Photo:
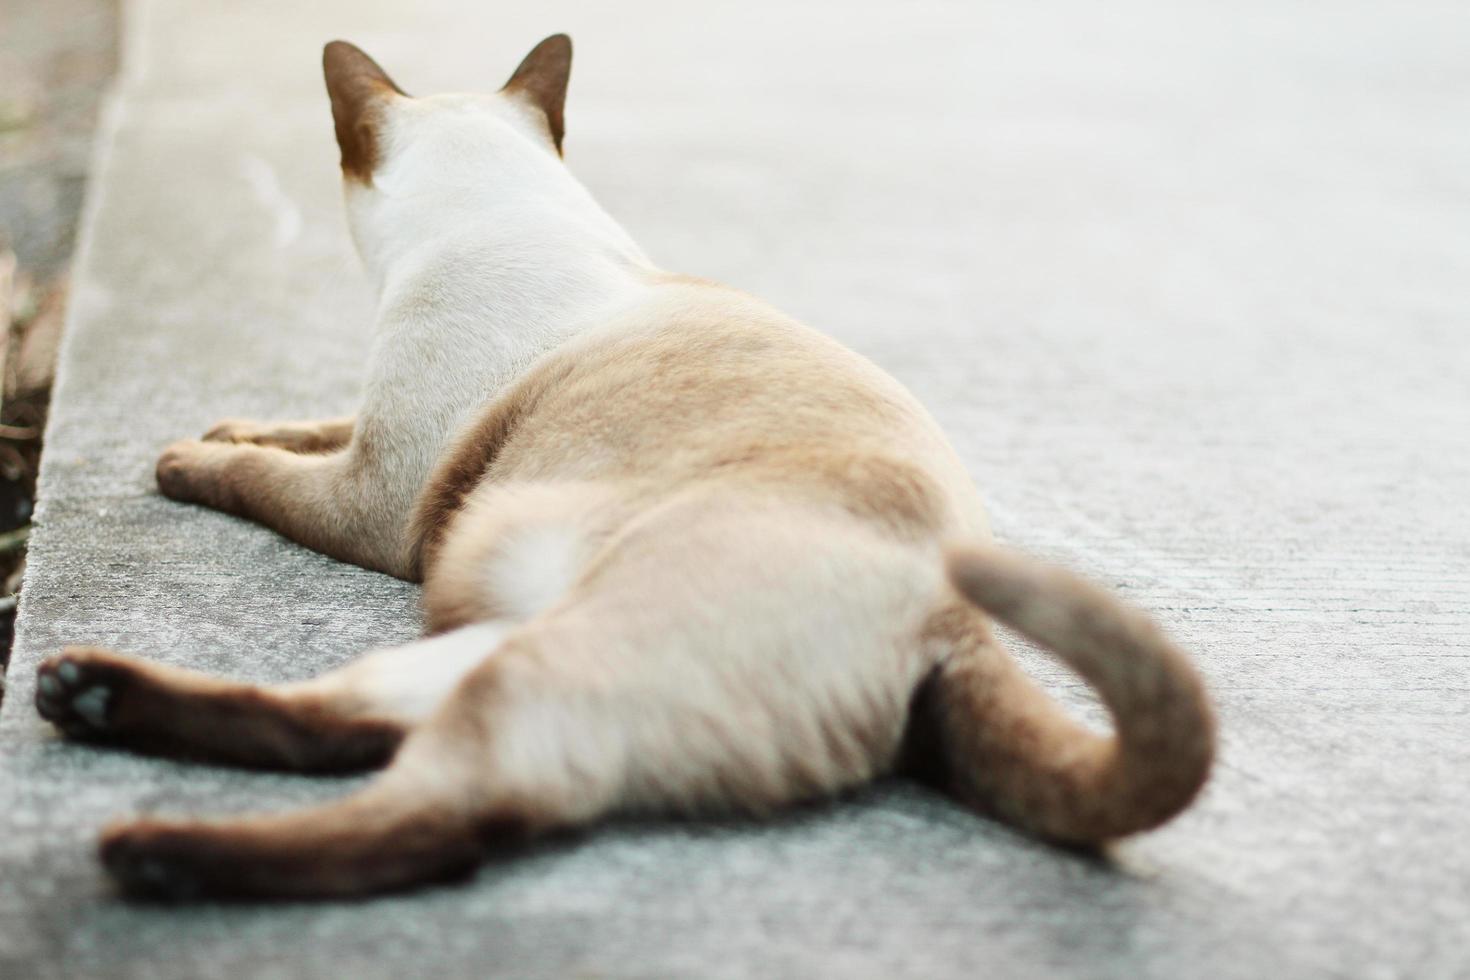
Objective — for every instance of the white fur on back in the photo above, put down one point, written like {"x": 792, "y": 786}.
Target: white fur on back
{"x": 487, "y": 253}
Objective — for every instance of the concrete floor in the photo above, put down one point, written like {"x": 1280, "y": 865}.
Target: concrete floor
{"x": 1187, "y": 283}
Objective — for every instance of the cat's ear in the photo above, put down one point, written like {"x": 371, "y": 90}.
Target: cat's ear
{"x": 358, "y": 89}
{"x": 541, "y": 80}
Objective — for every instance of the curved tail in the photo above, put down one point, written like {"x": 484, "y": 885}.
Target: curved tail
{"x": 1013, "y": 752}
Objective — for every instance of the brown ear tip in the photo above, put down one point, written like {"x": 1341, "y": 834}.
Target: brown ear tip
{"x": 339, "y": 53}
{"x": 560, "y": 43}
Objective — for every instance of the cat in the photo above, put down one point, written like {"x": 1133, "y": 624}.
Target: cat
{"x": 680, "y": 554}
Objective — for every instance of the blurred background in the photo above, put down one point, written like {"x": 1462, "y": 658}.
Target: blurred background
{"x": 55, "y": 60}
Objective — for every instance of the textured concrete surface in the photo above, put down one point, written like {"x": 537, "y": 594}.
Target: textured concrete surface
{"x": 55, "y": 58}
{"x": 1188, "y": 284}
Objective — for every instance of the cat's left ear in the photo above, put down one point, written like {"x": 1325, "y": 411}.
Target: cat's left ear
{"x": 541, "y": 81}
{"x": 359, "y": 90}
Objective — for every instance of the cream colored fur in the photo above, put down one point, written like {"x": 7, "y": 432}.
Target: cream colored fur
{"x": 681, "y": 552}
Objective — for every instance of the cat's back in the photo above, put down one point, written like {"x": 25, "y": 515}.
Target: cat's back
{"x": 698, "y": 378}
{"x": 696, "y": 383}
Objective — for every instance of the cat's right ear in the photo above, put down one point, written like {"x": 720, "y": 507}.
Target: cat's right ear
{"x": 541, "y": 81}
{"x": 359, "y": 89}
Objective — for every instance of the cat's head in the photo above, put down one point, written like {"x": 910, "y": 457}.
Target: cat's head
{"x": 409, "y": 164}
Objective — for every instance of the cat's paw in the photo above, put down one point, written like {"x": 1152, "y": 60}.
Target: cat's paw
{"x": 77, "y": 690}
{"x": 154, "y": 860}
{"x": 188, "y": 470}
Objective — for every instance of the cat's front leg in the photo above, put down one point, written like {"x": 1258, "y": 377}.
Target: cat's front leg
{"x": 312, "y": 436}
{"x": 336, "y": 503}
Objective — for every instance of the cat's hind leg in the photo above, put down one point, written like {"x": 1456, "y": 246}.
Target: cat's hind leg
{"x": 716, "y": 697}
{"x": 430, "y": 816}
{"x": 352, "y": 718}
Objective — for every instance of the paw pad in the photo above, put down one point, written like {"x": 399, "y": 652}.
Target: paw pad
{"x": 71, "y": 697}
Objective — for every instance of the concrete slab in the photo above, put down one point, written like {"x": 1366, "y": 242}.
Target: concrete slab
{"x": 1188, "y": 285}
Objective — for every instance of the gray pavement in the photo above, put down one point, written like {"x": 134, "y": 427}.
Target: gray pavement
{"x": 1187, "y": 283}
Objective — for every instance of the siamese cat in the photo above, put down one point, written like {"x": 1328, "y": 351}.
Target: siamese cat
{"x": 680, "y": 554}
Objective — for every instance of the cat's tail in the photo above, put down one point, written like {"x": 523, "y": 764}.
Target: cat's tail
{"x": 1010, "y": 748}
